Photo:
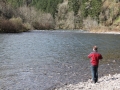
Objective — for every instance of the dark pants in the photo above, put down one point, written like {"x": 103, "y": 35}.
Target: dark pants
{"x": 94, "y": 70}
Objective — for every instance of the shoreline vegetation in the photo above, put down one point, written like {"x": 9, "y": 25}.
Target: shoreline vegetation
{"x": 69, "y": 15}
{"x": 25, "y": 15}
{"x": 110, "y": 82}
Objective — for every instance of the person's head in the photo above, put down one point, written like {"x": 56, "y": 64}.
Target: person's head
{"x": 95, "y": 48}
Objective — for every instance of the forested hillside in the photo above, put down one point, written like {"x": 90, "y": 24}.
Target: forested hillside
{"x": 97, "y": 15}
{"x": 59, "y": 14}
{"x": 48, "y": 6}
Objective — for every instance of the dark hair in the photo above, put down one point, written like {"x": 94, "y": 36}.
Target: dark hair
{"x": 95, "y": 48}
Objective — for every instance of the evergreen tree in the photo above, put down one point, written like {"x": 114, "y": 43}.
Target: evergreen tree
{"x": 95, "y": 8}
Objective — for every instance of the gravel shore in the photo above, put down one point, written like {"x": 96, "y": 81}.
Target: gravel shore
{"x": 110, "y": 32}
{"x": 111, "y": 82}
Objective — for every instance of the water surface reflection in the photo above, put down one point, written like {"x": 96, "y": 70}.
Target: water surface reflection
{"x": 41, "y": 60}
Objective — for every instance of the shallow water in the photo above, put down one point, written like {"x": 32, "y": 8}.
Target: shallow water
{"x": 43, "y": 60}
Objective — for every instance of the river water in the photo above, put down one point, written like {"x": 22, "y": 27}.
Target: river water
{"x": 43, "y": 60}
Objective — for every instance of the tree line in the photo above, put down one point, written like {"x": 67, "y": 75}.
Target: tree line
{"x": 87, "y": 7}
{"x": 49, "y": 6}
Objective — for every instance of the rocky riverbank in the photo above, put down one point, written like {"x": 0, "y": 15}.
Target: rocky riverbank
{"x": 107, "y": 32}
{"x": 111, "y": 82}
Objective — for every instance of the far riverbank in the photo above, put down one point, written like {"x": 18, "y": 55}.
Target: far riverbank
{"x": 107, "y": 32}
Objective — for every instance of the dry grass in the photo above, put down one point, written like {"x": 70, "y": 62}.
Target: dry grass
{"x": 29, "y": 14}
{"x": 103, "y": 29}
{"x": 37, "y": 19}
{"x": 110, "y": 11}
{"x": 90, "y": 23}
{"x": 65, "y": 18}
{"x": 24, "y": 19}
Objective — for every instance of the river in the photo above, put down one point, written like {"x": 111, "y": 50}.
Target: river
{"x": 43, "y": 60}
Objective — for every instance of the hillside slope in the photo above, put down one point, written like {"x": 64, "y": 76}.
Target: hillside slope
{"x": 108, "y": 17}
{"x": 93, "y": 15}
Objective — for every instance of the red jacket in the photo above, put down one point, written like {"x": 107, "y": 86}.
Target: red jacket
{"x": 95, "y": 57}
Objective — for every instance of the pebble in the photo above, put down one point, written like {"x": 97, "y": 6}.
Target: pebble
{"x": 110, "y": 82}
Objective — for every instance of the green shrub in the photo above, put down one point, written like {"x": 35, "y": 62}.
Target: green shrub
{"x": 13, "y": 25}
{"x": 27, "y": 26}
{"x": 16, "y": 3}
{"x": 49, "y": 6}
{"x": 87, "y": 7}
{"x": 95, "y": 8}
{"x": 75, "y": 5}
{"x": 7, "y": 27}
{"x": 17, "y": 22}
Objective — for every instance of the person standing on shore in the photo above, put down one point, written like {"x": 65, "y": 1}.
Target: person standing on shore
{"x": 95, "y": 57}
